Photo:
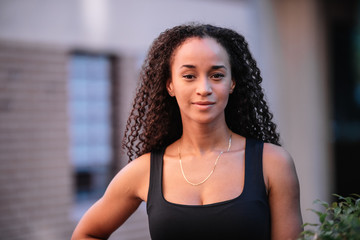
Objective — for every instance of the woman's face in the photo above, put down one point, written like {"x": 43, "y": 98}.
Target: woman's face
{"x": 201, "y": 80}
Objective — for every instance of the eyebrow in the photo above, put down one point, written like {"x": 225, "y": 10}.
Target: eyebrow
{"x": 215, "y": 67}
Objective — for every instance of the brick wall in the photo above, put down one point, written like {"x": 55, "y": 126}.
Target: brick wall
{"x": 35, "y": 171}
{"x": 36, "y": 176}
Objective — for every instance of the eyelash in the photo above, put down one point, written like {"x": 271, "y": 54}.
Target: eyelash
{"x": 216, "y": 76}
{"x": 188, "y": 76}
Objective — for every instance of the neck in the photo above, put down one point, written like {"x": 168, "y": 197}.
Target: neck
{"x": 202, "y": 138}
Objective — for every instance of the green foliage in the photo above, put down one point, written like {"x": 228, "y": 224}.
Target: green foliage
{"x": 339, "y": 221}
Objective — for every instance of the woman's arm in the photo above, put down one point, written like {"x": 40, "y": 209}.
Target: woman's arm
{"x": 122, "y": 197}
{"x": 284, "y": 193}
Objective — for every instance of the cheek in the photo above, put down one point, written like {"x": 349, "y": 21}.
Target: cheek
{"x": 224, "y": 91}
{"x": 182, "y": 97}
{"x": 182, "y": 91}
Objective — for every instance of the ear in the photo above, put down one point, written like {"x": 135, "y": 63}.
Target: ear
{"x": 170, "y": 87}
{"x": 232, "y": 86}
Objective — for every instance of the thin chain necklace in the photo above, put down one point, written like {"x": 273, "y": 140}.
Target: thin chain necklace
{"x": 216, "y": 161}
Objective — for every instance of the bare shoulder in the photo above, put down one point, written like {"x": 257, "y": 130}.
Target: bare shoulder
{"x": 275, "y": 153}
{"x": 276, "y": 157}
{"x": 138, "y": 165}
{"x": 283, "y": 191}
{"x": 134, "y": 177}
{"x": 278, "y": 165}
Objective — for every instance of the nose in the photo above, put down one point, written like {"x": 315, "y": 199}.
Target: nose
{"x": 204, "y": 87}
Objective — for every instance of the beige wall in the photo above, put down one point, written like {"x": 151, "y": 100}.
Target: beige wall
{"x": 299, "y": 92}
{"x": 117, "y": 25}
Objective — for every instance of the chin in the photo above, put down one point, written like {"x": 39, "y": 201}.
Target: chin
{"x": 206, "y": 120}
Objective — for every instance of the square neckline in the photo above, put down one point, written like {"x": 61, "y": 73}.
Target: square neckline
{"x": 209, "y": 204}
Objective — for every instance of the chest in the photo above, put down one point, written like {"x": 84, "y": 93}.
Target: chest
{"x": 234, "y": 219}
{"x": 239, "y": 213}
{"x": 226, "y": 182}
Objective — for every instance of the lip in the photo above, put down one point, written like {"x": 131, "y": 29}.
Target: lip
{"x": 203, "y": 105}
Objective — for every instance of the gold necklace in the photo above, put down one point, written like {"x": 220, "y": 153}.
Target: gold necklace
{"x": 216, "y": 161}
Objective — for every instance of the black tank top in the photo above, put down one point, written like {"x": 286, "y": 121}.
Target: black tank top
{"x": 244, "y": 217}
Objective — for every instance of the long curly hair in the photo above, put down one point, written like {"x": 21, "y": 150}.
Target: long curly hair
{"x": 155, "y": 120}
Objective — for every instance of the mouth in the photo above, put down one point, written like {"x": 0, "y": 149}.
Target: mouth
{"x": 204, "y": 105}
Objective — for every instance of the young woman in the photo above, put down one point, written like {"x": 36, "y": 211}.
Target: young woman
{"x": 208, "y": 160}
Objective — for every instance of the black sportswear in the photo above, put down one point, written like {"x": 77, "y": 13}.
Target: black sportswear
{"x": 245, "y": 217}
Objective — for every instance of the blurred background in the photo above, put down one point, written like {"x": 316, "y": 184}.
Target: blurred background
{"x": 68, "y": 72}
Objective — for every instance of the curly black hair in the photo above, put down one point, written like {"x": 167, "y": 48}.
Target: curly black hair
{"x": 155, "y": 120}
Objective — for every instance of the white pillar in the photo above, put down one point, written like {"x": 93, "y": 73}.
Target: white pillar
{"x": 295, "y": 79}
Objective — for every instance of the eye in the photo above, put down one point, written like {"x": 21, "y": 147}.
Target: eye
{"x": 188, "y": 77}
{"x": 217, "y": 76}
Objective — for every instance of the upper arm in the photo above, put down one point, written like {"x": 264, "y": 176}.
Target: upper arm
{"x": 284, "y": 193}
{"x": 121, "y": 199}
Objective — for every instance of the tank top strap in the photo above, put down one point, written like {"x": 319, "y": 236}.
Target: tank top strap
{"x": 254, "y": 177}
{"x": 155, "y": 184}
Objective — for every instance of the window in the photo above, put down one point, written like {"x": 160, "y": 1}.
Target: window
{"x": 90, "y": 124}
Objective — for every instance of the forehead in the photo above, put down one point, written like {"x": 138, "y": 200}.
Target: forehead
{"x": 200, "y": 49}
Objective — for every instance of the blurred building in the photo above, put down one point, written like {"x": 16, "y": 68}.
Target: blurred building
{"x": 68, "y": 72}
